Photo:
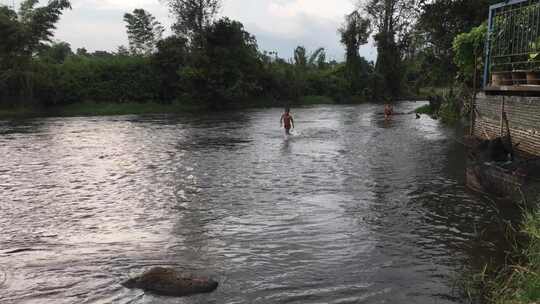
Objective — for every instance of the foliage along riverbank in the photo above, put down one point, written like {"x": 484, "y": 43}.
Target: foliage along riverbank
{"x": 217, "y": 62}
{"x": 448, "y": 104}
{"x": 137, "y": 108}
{"x": 518, "y": 281}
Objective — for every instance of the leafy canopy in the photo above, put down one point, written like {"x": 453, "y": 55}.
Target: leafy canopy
{"x": 468, "y": 48}
{"x": 143, "y": 30}
{"x": 192, "y": 16}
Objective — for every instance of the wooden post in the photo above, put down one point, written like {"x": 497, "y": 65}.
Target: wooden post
{"x": 509, "y": 136}
{"x": 502, "y": 117}
{"x": 473, "y": 99}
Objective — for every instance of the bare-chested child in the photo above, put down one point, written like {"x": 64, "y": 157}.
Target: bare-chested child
{"x": 388, "y": 111}
{"x": 287, "y": 121}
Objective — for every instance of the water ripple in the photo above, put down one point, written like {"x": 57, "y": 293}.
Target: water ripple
{"x": 348, "y": 209}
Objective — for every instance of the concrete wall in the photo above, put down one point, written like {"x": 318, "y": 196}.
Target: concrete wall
{"x": 523, "y": 115}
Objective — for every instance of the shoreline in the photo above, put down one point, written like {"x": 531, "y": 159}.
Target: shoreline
{"x": 92, "y": 108}
{"x": 133, "y": 108}
{"x": 518, "y": 280}
{"x": 130, "y": 108}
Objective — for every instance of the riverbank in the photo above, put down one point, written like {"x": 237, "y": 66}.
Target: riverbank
{"x": 133, "y": 108}
{"x": 518, "y": 281}
{"x": 449, "y": 104}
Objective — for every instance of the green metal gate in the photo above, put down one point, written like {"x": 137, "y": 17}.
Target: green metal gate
{"x": 513, "y": 42}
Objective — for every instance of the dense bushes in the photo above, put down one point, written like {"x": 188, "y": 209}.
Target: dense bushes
{"x": 226, "y": 69}
{"x": 80, "y": 78}
{"x": 517, "y": 281}
{"x": 216, "y": 66}
{"x": 469, "y": 50}
{"x": 450, "y": 105}
{"x": 229, "y": 70}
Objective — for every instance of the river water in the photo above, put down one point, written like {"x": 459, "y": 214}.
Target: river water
{"x": 349, "y": 209}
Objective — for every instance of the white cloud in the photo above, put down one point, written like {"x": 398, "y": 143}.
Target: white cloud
{"x": 114, "y": 4}
{"x": 316, "y": 8}
{"x": 278, "y": 24}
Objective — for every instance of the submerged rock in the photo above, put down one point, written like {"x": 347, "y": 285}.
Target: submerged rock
{"x": 169, "y": 282}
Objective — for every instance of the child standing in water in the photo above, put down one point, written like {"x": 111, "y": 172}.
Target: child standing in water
{"x": 388, "y": 111}
{"x": 287, "y": 121}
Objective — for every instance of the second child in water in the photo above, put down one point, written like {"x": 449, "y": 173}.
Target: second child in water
{"x": 287, "y": 121}
{"x": 388, "y": 111}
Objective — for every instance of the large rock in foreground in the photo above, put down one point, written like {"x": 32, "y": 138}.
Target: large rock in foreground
{"x": 169, "y": 282}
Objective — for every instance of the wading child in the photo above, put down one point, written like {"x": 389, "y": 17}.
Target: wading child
{"x": 287, "y": 121}
{"x": 388, "y": 111}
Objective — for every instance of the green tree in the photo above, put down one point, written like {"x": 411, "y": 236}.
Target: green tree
{"x": 57, "y": 52}
{"x": 23, "y": 34}
{"x": 440, "y": 21}
{"x": 102, "y": 54}
{"x": 300, "y": 57}
{"x": 82, "y": 52}
{"x": 172, "y": 55}
{"x": 10, "y": 32}
{"x": 317, "y": 58}
{"x": 143, "y": 30}
{"x": 298, "y": 75}
{"x": 192, "y": 16}
{"x": 469, "y": 51}
{"x": 393, "y": 20}
{"x": 38, "y": 23}
{"x": 122, "y": 51}
{"x": 110, "y": 78}
{"x": 354, "y": 33}
{"x": 227, "y": 69}
{"x": 10, "y": 50}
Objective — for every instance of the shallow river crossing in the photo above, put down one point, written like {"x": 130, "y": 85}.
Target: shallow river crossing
{"x": 349, "y": 209}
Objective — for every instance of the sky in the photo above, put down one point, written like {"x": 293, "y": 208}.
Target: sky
{"x": 278, "y": 25}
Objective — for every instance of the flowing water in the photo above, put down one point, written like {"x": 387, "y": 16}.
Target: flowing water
{"x": 349, "y": 209}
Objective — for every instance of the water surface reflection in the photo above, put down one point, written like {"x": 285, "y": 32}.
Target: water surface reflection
{"x": 349, "y": 209}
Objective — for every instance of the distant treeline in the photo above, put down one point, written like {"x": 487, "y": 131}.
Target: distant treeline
{"x": 227, "y": 71}
{"x": 217, "y": 63}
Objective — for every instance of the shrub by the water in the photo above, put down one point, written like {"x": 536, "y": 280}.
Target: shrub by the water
{"x": 116, "y": 79}
{"x": 450, "y": 110}
{"x": 426, "y": 109}
{"x": 518, "y": 280}
{"x": 449, "y": 105}
{"x": 523, "y": 284}
{"x": 468, "y": 48}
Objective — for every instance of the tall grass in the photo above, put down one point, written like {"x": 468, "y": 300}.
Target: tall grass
{"x": 448, "y": 104}
{"x": 524, "y": 282}
{"x": 518, "y": 281}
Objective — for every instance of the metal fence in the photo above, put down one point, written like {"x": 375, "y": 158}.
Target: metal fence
{"x": 513, "y": 42}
